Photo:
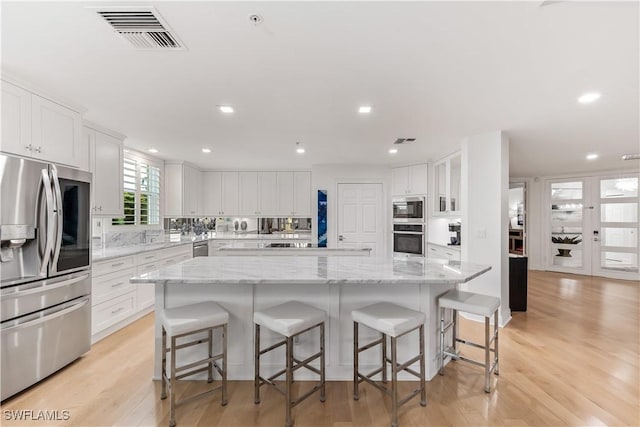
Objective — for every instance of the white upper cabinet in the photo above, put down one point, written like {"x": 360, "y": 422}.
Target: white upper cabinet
{"x": 220, "y": 193}
{"x": 16, "y": 120}
{"x": 410, "y": 180}
{"x": 36, "y": 127}
{"x": 447, "y": 185}
{"x": 106, "y": 163}
{"x": 183, "y": 190}
{"x": 248, "y": 193}
{"x": 56, "y": 132}
{"x": 285, "y": 193}
{"x": 268, "y": 193}
{"x": 294, "y": 194}
{"x": 302, "y": 194}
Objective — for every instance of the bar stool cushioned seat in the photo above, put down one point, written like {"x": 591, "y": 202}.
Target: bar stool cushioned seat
{"x": 289, "y": 318}
{"x": 393, "y": 321}
{"x": 469, "y": 302}
{"x": 182, "y": 322}
{"x": 178, "y": 320}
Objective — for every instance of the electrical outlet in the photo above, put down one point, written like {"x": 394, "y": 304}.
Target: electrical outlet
{"x": 481, "y": 233}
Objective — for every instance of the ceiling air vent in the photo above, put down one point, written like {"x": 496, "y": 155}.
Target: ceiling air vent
{"x": 405, "y": 141}
{"x": 144, "y": 28}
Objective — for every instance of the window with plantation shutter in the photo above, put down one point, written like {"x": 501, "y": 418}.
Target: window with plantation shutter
{"x": 141, "y": 193}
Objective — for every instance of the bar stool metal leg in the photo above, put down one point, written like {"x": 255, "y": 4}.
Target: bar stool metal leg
{"x": 356, "y": 353}
{"x": 384, "y": 359}
{"x": 423, "y": 389}
{"x": 289, "y": 380}
{"x": 224, "y": 361}
{"x": 163, "y": 393}
{"x": 256, "y": 353}
{"x": 322, "y": 367}
{"x": 495, "y": 343}
{"x": 487, "y": 355}
{"x": 172, "y": 384}
{"x": 441, "y": 353}
{"x": 454, "y": 335}
{"x": 394, "y": 382}
{"x": 210, "y": 365}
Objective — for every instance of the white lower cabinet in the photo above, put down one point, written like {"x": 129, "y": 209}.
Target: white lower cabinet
{"x": 443, "y": 252}
{"x": 116, "y": 301}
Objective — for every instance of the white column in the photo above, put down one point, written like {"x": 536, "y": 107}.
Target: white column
{"x": 485, "y": 221}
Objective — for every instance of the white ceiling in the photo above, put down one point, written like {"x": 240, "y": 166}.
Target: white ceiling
{"x": 431, "y": 70}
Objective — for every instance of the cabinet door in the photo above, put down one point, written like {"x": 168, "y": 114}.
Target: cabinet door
{"x": 212, "y": 194}
{"x": 107, "y": 175}
{"x": 248, "y": 193}
{"x": 230, "y": 189}
{"x": 268, "y": 193}
{"x": 418, "y": 179}
{"x": 191, "y": 191}
{"x": 285, "y": 193}
{"x": 56, "y": 132}
{"x": 400, "y": 181}
{"x": 302, "y": 194}
{"x": 455, "y": 182}
{"x": 440, "y": 175}
{"x": 16, "y": 120}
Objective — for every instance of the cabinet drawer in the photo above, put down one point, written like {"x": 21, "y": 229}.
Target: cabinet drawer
{"x": 174, "y": 252}
{"x": 146, "y": 257}
{"x": 150, "y": 266}
{"x": 111, "y": 312}
{"x": 111, "y": 285}
{"x": 104, "y": 267}
{"x": 146, "y": 295}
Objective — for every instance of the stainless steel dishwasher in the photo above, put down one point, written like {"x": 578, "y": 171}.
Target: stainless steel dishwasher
{"x": 201, "y": 248}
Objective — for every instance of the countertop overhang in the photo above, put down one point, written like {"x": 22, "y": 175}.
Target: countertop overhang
{"x": 313, "y": 270}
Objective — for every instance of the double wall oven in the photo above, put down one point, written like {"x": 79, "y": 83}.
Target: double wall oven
{"x": 45, "y": 269}
{"x": 409, "y": 228}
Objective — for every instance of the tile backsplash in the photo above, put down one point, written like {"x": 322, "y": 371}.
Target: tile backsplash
{"x": 118, "y": 238}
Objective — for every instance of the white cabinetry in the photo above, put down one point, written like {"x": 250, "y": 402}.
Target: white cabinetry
{"x": 294, "y": 194}
{"x": 442, "y": 252}
{"x": 33, "y": 126}
{"x": 447, "y": 185}
{"x": 410, "y": 180}
{"x": 16, "y": 120}
{"x": 268, "y": 193}
{"x": 106, "y": 163}
{"x": 248, "y": 193}
{"x": 115, "y": 301}
{"x": 183, "y": 190}
{"x": 221, "y": 193}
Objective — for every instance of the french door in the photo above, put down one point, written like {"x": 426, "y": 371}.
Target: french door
{"x": 593, "y": 226}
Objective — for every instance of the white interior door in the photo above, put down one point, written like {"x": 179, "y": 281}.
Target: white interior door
{"x": 360, "y": 217}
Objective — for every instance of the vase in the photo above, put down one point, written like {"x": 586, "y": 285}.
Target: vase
{"x": 564, "y": 252}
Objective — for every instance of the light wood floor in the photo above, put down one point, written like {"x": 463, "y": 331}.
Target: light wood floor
{"x": 572, "y": 359}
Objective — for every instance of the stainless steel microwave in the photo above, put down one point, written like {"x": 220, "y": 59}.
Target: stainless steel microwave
{"x": 409, "y": 209}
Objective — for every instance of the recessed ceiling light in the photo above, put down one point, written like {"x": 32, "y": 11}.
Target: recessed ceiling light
{"x": 393, "y": 150}
{"x": 152, "y": 150}
{"x": 591, "y": 156}
{"x": 226, "y": 108}
{"x": 588, "y": 98}
{"x": 299, "y": 149}
{"x": 364, "y": 109}
{"x": 206, "y": 150}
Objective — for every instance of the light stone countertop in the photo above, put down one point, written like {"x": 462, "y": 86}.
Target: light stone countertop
{"x": 103, "y": 254}
{"x": 313, "y": 270}
{"x": 453, "y": 247}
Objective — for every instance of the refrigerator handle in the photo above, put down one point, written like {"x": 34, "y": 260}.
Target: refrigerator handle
{"x": 58, "y": 212}
{"x": 46, "y": 254}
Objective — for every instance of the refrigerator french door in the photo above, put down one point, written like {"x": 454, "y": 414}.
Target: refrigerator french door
{"x": 45, "y": 269}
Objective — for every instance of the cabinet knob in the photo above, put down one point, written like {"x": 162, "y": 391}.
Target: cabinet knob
{"x": 28, "y": 147}
{"x": 38, "y": 150}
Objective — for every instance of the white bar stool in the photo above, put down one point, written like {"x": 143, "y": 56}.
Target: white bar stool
{"x": 186, "y": 320}
{"x": 290, "y": 319}
{"x": 478, "y": 304}
{"x": 394, "y": 321}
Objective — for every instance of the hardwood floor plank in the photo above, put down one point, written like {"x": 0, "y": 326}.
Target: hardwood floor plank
{"x": 571, "y": 359}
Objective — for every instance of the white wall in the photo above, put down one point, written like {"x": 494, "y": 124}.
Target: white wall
{"x": 327, "y": 177}
{"x": 485, "y": 220}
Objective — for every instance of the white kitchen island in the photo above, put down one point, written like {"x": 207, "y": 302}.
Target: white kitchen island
{"x": 335, "y": 284}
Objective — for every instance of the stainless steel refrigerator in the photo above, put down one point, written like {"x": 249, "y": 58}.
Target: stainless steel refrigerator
{"x": 45, "y": 270}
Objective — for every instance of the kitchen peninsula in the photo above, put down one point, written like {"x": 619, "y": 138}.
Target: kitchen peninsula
{"x": 335, "y": 284}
